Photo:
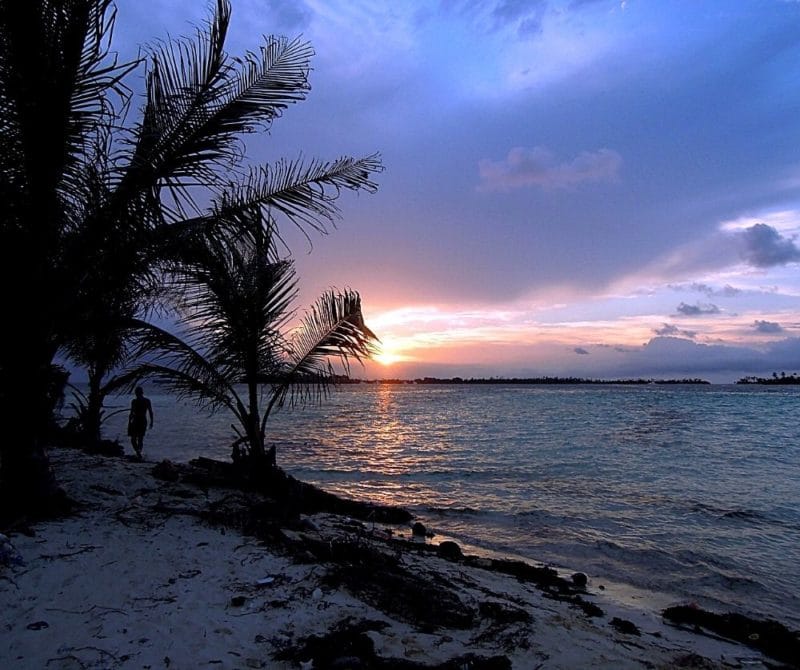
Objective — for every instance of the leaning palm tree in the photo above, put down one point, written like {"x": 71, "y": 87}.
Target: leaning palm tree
{"x": 91, "y": 206}
{"x": 237, "y": 294}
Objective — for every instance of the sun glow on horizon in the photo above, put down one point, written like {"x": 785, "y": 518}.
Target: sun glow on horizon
{"x": 389, "y": 353}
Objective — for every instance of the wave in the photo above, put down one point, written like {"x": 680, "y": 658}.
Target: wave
{"x": 784, "y": 517}
{"x": 456, "y": 511}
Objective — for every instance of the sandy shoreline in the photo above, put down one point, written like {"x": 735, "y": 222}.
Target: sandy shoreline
{"x": 154, "y": 574}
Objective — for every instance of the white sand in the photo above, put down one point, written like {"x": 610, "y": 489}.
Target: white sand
{"x": 121, "y": 585}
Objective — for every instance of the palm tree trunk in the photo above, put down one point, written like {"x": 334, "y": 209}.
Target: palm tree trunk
{"x": 27, "y": 484}
{"x": 94, "y": 408}
{"x": 254, "y": 434}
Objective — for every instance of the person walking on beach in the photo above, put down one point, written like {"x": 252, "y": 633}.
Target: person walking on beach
{"x": 137, "y": 420}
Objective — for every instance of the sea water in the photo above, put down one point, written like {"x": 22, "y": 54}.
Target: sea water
{"x": 689, "y": 492}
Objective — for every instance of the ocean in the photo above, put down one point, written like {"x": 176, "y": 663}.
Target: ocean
{"x": 669, "y": 493}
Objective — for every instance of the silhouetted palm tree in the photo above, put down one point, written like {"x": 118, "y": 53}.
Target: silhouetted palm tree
{"x": 91, "y": 207}
{"x": 237, "y": 302}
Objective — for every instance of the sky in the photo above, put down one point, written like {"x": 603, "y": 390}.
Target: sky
{"x": 598, "y": 188}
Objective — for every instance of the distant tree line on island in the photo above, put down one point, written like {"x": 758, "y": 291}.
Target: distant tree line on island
{"x": 781, "y": 379}
{"x": 521, "y": 380}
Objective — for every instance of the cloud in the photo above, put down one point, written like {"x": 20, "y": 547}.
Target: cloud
{"x": 669, "y": 355}
{"x": 529, "y": 14}
{"x": 697, "y": 310}
{"x": 726, "y": 291}
{"x": 539, "y": 167}
{"x": 669, "y": 329}
{"x": 767, "y": 327}
{"x": 732, "y": 244}
{"x": 513, "y": 10}
{"x": 581, "y": 351}
{"x": 292, "y": 14}
{"x": 765, "y": 247}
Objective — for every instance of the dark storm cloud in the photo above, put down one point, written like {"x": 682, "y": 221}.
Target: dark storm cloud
{"x": 669, "y": 329}
{"x": 685, "y": 309}
{"x": 767, "y": 327}
{"x": 765, "y": 247}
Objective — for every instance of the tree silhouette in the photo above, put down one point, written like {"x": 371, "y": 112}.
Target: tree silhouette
{"x": 94, "y": 209}
{"x": 237, "y": 295}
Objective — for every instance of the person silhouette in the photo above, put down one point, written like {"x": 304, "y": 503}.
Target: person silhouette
{"x": 141, "y": 408}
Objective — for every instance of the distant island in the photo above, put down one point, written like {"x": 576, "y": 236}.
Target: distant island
{"x": 521, "y": 380}
{"x": 781, "y": 379}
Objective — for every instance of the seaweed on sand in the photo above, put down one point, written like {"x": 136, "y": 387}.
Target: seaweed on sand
{"x": 348, "y": 645}
{"x": 294, "y": 495}
{"x": 768, "y": 636}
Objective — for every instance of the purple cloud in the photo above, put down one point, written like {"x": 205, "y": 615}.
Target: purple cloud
{"x": 765, "y": 247}
{"x": 581, "y": 351}
{"x": 726, "y": 291}
{"x": 767, "y": 327}
{"x": 539, "y": 167}
{"x": 670, "y": 329}
{"x": 697, "y": 310}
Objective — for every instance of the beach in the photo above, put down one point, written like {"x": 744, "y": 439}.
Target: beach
{"x": 153, "y": 573}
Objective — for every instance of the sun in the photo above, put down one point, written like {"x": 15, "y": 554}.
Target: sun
{"x": 388, "y": 355}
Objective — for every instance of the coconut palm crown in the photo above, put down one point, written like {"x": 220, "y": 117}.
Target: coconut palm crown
{"x": 238, "y": 351}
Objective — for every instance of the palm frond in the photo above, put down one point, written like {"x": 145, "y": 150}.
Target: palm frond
{"x": 236, "y": 296}
{"x": 304, "y": 194}
{"x": 199, "y": 101}
{"x": 180, "y": 367}
{"x": 333, "y": 328}
{"x": 61, "y": 47}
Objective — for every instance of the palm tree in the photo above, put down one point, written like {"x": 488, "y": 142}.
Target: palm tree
{"x": 237, "y": 303}
{"x": 91, "y": 207}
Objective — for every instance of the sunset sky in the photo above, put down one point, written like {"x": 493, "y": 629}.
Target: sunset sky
{"x": 600, "y": 188}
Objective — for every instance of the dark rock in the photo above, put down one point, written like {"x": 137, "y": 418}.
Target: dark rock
{"x": 503, "y": 614}
{"x": 473, "y": 662}
{"x": 380, "y": 579}
{"x": 308, "y": 524}
{"x": 38, "y": 625}
{"x": 419, "y": 530}
{"x": 589, "y": 609}
{"x": 450, "y": 550}
{"x": 625, "y": 626}
{"x": 694, "y": 661}
{"x": 541, "y": 576}
{"x": 345, "y": 641}
{"x": 580, "y": 580}
{"x": 166, "y": 471}
{"x": 186, "y": 494}
{"x": 768, "y": 636}
{"x": 238, "y": 601}
{"x": 106, "y": 489}
{"x": 348, "y": 646}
